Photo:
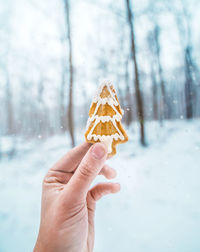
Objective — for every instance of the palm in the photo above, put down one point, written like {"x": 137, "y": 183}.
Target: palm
{"x": 83, "y": 218}
{"x": 68, "y": 205}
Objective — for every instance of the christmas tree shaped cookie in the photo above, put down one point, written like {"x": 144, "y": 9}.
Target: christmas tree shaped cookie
{"x": 104, "y": 123}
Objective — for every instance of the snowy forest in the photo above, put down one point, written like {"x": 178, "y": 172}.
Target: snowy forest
{"x": 53, "y": 56}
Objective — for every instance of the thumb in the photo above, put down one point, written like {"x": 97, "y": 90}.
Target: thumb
{"x": 88, "y": 169}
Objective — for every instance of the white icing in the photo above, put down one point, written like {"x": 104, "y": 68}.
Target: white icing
{"x": 105, "y": 118}
{"x": 103, "y": 101}
{"x": 115, "y": 136}
{"x": 111, "y": 101}
{"x": 107, "y": 140}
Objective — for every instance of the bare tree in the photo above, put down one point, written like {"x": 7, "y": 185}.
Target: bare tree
{"x": 139, "y": 101}
{"x": 154, "y": 95}
{"x": 182, "y": 17}
{"x": 189, "y": 85}
{"x": 160, "y": 71}
{"x": 129, "y": 115}
{"x": 9, "y": 106}
{"x": 62, "y": 96}
{"x": 185, "y": 30}
{"x": 5, "y": 38}
{"x": 151, "y": 46}
{"x": 157, "y": 71}
{"x": 71, "y": 74}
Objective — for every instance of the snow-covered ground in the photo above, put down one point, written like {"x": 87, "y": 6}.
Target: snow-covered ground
{"x": 157, "y": 210}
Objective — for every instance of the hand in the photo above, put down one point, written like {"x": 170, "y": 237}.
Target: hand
{"x": 68, "y": 203}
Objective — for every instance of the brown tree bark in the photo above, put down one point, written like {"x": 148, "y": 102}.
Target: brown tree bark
{"x": 189, "y": 92}
{"x": 71, "y": 79}
{"x": 139, "y": 101}
{"x": 154, "y": 95}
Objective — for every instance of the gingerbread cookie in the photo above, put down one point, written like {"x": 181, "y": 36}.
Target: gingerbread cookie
{"x": 104, "y": 123}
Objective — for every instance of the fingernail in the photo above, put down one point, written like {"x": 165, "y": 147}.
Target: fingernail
{"x": 117, "y": 187}
{"x": 98, "y": 151}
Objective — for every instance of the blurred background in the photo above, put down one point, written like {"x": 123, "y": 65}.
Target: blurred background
{"x": 53, "y": 55}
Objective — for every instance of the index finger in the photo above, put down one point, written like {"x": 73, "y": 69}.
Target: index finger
{"x": 70, "y": 161}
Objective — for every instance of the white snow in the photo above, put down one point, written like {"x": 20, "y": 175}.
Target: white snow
{"x": 158, "y": 208}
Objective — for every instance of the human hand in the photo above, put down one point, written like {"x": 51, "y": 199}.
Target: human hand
{"x": 68, "y": 203}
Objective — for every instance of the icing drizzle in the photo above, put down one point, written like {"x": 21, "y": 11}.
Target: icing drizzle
{"x": 111, "y": 101}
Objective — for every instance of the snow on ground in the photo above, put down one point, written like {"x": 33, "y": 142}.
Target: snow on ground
{"x": 158, "y": 208}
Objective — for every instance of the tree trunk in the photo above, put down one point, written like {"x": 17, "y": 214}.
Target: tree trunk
{"x": 188, "y": 84}
{"x": 71, "y": 79}
{"x": 160, "y": 71}
{"x": 41, "y": 128}
{"x": 9, "y": 107}
{"x": 183, "y": 21}
{"x": 128, "y": 96}
{"x": 154, "y": 96}
{"x": 140, "y": 109}
{"x": 63, "y": 109}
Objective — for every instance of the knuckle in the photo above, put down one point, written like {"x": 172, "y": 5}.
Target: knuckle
{"x": 49, "y": 178}
{"x": 93, "y": 195}
{"x": 47, "y": 175}
{"x": 98, "y": 191}
{"x": 86, "y": 170}
{"x": 46, "y": 178}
